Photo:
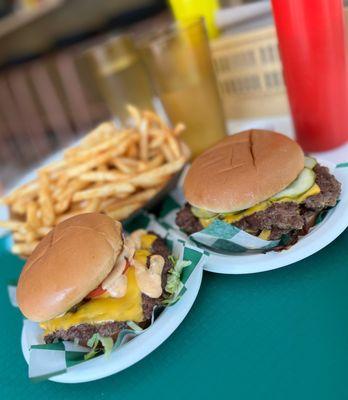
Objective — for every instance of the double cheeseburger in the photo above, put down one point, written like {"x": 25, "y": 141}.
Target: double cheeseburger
{"x": 259, "y": 181}
{"x": 86, "y": 278}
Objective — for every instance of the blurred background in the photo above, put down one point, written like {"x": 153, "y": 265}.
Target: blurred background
{"x": 66, "y": 65}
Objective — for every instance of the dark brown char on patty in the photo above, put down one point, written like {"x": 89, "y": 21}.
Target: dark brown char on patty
{"x": 279, "y": 218}
{"x": 282, "y": 216}
{"x": 83, "y": 332}
{"x": 187, "y": 221}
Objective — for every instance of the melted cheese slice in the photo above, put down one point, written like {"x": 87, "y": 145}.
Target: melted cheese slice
{"x": 146, "y": 243}
{"x": 102, "y": 309}
{"x": 265, "y": 234}
{"x": 141, "y": 255}
{"x": 147, "y": 240}
{"x": 234, "y": 217}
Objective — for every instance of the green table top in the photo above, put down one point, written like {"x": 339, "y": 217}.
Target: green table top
{"x": 277, "y": 335}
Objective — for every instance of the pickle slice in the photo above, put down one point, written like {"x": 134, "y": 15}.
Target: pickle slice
{"x": 301, "y": 184}
{"x": 310, "y": 162}
{"x": 200, "y": 213}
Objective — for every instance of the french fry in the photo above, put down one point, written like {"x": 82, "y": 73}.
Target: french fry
{"x": 178, "y": 129}
{"x": 60, "y": 185}
{"x": 102, "y": 168}
{"x": 157, "y": 142}
{"x": 163, "y": 170}
{"x": 111, "y": 189}
{"x": 32, "y": 215}
{"x": 19, "y": 236}
{"x": 132, "y": 151}
{"x": 54, "y": 166}
{"x": 124, "y": 211}
{"x": 27, "y": 237}
{"x": 122, "y": 166}
{"x": 143, "y": 144}
{"x": 128, "y": 164}
{"x": 65, "y": 198}
{"x": 101, "y": 133}
{"x": 156, "y": 152}
{"x": 20, "y": 206}
{"x": 154, "y": 118}
{"x": 155, "y": 162}
{"x": 136, "y": 164}
{"x": 155, "y": 132}
{"x": 135, "y": 114}
{"x": 140, "y": 197}
{"x": 45, "y": 200}
{"x": 24, "y": 249}
{"x": 174, "y": 146}
{"x": 149, "y": 182}
{"x": 43, "y": 230}
{"x": 107, "y": 176}
{"x": 14, "y": 226}
{"x": 167, "y": 152}
{"x": 93, "y": 205}
{"x": 26, "y": 190}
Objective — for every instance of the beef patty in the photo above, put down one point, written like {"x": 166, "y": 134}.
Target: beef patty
{"x": 330, "y": 190}
{"x": 187, "y": 221}
{"x": 83, "y": 332}
{"x": 279, "y": 218}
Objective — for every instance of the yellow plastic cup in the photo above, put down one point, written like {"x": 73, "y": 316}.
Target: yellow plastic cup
{"x": 188, "y": 9}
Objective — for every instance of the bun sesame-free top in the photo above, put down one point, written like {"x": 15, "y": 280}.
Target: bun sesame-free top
{"x": 67, "y": 264}
{"x": 243, "y": 170}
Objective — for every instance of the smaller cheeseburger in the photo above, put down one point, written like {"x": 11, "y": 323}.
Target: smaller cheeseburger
{"x": 259, "y": 181}
{"x": 86, "y": 278}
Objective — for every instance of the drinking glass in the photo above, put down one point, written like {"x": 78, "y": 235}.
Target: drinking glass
{"x": 180, "y": 65}
{"x": 121, "y": 75}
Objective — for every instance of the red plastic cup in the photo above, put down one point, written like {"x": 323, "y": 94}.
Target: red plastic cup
{"x": 312, "y": 44}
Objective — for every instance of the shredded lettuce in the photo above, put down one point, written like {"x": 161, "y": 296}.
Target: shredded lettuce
{"x": 173, "y": 281}
{"x": 172, "y": 259}
{"x": 174, "y": 284}
{"x": 106, "y": 342}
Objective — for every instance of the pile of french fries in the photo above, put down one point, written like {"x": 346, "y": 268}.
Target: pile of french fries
{"x": 111, "y": 170}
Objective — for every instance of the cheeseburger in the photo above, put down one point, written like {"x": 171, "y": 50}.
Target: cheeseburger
{"x": 260, "y": 182}
{"x": 86, "y": 279}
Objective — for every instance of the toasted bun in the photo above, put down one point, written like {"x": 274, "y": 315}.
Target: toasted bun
{"x": 72, "y": 260}
{"x": 243, "y": 170}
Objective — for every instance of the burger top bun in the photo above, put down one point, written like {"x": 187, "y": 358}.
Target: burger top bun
{"x": 71, "y": 261}
{"x": 242, "y": 170}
